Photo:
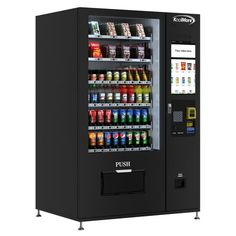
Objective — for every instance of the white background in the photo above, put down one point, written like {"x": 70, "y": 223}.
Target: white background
{"x": 17, "y": 125}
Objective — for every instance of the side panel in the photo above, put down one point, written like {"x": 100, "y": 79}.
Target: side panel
{"x": 182, "y": 148}
{"x": 93, "y": 167}
{"x": 56, "y": 113}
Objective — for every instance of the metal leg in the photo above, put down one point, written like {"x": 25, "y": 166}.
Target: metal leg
{"x": 81, "y": 225}
{"x": 197, "y": 217}
{"x": 38, "y": 215}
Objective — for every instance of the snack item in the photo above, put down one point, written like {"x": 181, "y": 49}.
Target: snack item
{"x": 124, "y": 29}
{"x": 109, "y": 29}
{"x": 138, "y": 30}
{"x": 140, "y": 52}
{"x": 94, "y": 27}
{"x": 183, "y": 65}
{"x": 126, "y": 51}
{"x": 95, "y": 50}
{"x": 93, "y": 77}
{"x": 109, "y": 51}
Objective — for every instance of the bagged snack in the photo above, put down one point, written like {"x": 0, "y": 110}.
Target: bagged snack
{"x": 109, "y": 51}
{"x": 138, "y": 51}
{"x": 124, "y": 29}
{"x": 126, "y": 52}
{"x": 95, "y": 50}
{"x": 138, "y": 30}
{"x": 108, "y": 28}
{"x": 94, "y": 27}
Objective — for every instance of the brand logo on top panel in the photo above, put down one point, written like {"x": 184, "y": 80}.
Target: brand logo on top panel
{"x": 183, "y": 19}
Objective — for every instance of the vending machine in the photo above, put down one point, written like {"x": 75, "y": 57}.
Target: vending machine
{"x": 117, "y": 113}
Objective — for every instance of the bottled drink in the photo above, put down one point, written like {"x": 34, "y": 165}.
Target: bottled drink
{"x": 146, "y": 94}
{"x": 116, "y": 76}
{"x": 116, "y": 94}
{"x": 130, "y": 76}
{"x": 144, "y": 76}
{"x": 137, "y": 116}
{"x": 131, "y": 97}
{"x": 102, "y": 95}
{"x": 92, "y": 117}
{"x": 137, "y": 77}
{"x": 143, "y": 137}
{"x": 129, "y": 116}
{"x": 109, "y": 75}
{"x": 137, "y": 138}
{"x": 129, "y": 136}
{"x": 109, "y": 95}
{"x": 138, "y": 93}
{"x": 115, "y": 139}
{"x": 92, "y": 139}
{"x": 123, "y": 93}
{"x": 108, "y": 116}
{"x": 100, "y": 117}
{"x": 100, "y": 139}
{"x": 144, "y": 116}
{"x": 123, "y": 75}
{"x": 93, "y": 94}
{"x": 115, "y": 114}
{"x": 107, "y": 136}
{"x": 122, "y": 116}
{"x": 122, "y": 139}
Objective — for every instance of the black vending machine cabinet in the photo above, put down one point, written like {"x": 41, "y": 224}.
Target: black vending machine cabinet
{"x": 117, "y": 113}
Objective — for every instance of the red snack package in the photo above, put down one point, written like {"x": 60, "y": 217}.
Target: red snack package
{"x": 95, "y": 49}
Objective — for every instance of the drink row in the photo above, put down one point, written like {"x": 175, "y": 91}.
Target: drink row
{"x": 130, "y": 75}
{"x": 117, "y": 139}
{"x": 119, "y": 94}
{"x": 184, "y": 66}
{"x": 118, "y": 116}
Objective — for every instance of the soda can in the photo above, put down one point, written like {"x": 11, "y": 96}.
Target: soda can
{"x": 122, "y": 138}
{"x": 100, "y": 117}
{"x": 107, "y": 139}
{"x": 144, "y": 116}
{"x": 94, "y": 97}
{"x": 136, "y": 138}
{"x": 100, "y": 139}
{"x": 102, "y": 97}
{"x": 92, "y": 139}
{"x": 115, "y": 114}
{"x": 122, "y": 116}
{"x": 129, "y": 136}
{"x": 92, "y": 117}
{"x": 115, "y": 138}
{"x": 108, "y": 116}
{"x": 137, "y": 116}
{"x": 130, "y": 114}
{"x": 143, "y": 136}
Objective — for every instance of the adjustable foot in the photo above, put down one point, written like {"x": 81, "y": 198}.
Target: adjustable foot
{"x": 197, "y": 217}
{"x": 38, "y": 215}
{"x": 81, "y": 226}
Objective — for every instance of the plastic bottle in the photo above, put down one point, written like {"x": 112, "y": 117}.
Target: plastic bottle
{"x": 131, "y": 96}
{"x": 137, "y": 77}
{"x": 138, "y": 94}
{"x": 116, "y": 94}
{"x": 144, "y": 76}
{"x": 130, "y": 76}
{"x": 146, "y": 94}
{"x": 123, "y": 94}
